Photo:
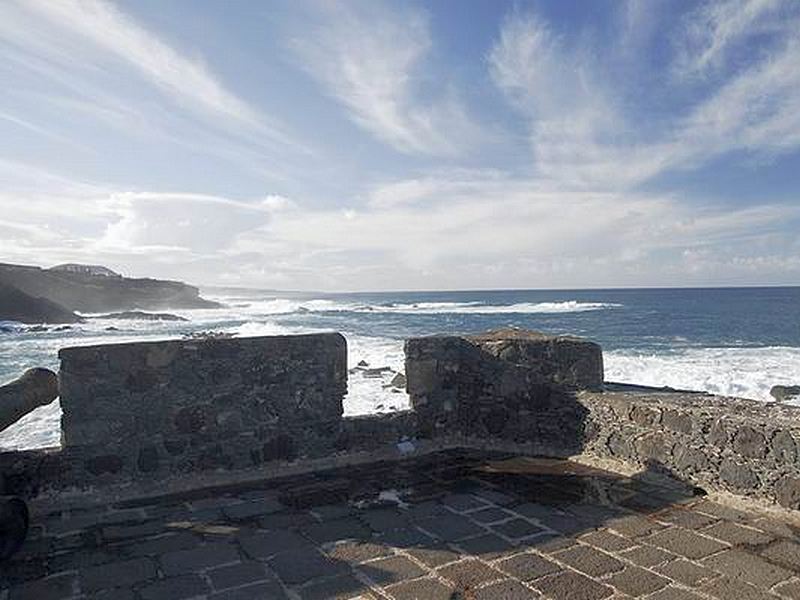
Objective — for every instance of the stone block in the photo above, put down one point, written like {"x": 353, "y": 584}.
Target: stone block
{"x": 175, "y": 588}
{"x": 527, "y": 567}
{"x": 590, "y": 561}
{"x": 430, "y": 589}
{"x": 198, "y": 558}
{"x": 124, "y": 573}
{"x": 506, "y": 590}
{"x": 469, "y": 574}
{"x": 570, "y": 585}
{"x": 386, "y": 571}
{"x": 787, "y": 492}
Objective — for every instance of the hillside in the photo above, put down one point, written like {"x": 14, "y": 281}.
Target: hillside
{"x": 92, "y": 292}
{"x": 16, "y": 305}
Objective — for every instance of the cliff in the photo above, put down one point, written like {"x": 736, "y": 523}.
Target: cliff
{"x": 16, "y": 305}
{"x": 92, "y": 292}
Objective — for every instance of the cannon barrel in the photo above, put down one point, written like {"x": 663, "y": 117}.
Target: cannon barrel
{"x": 35, "y": 388}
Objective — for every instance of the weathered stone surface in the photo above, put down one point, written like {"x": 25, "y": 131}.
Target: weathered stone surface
{"x": 172, "y": 407}
{"x": 788, "y": 492}
{"x": 739, "y": 476}
{"x": 749, "y": 442}
{"x": 782, "y": 393}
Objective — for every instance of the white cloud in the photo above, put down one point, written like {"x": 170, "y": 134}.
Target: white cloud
{"x": 371, "y": 58}
{"x": 583, "y": 136}
{"x": 714, "y": 27}
{"x": 187, "y": 80}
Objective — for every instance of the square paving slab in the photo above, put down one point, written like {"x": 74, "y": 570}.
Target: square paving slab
{"x": 464, "y": 526}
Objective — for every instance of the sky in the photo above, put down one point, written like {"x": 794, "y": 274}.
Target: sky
{"x": 437, "y": 145}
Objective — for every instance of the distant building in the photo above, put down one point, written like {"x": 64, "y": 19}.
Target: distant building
{"x": 85, "y": 270}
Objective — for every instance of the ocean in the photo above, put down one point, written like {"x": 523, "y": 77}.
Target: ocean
{"x": 728, "y": 341}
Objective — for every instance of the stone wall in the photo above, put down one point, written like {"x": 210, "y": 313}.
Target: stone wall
{"x": 509, "y": 385}
{"x": 542, "y": 395}
{"x": 158, "y": 409}
{"x": 739, "y": 446}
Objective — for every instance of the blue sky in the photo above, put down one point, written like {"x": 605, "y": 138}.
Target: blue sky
{"x": 405, "y": 145}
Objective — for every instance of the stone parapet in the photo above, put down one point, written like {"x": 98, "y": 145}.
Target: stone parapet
{"x": 743, "y": 447}
{"x": 158, "y": 409}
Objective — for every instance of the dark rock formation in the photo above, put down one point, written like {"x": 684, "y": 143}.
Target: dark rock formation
{"x": 91, "y": 292}
{"x": 138, "y": 315}
{"x": 782, "y": 393}
{"x": 16, "y": 305}
{"x": 13, "y": 525}
{"x": 35, "y": 388}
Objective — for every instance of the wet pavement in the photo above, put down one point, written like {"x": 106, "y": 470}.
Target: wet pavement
{"x": 453, "y": 525}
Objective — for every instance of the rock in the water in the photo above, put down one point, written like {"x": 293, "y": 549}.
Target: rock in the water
{"x": 375, "y": 373}
{"x": 398, "y": 381}
{"x": 362, "y": 363}
{"x": 782, "y": 393}
{"x": 139, "y": 315}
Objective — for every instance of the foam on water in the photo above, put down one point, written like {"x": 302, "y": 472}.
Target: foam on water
{"x": 739, "y": 372}
{"x": 286, "y": 306}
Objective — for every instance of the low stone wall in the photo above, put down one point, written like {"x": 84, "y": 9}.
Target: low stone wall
{"x": 509, "y": 385}
{"x": 539, "y": 395}
{"x": 158, "y": 409}
{"x": 739, "y": 446}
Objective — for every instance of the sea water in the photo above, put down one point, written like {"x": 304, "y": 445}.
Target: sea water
{"x": 733, "y": 341}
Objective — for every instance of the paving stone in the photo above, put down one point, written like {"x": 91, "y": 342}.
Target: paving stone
{"x": 790, "y": 589}
{"x": 451, "y": 528}
{"x": 269, "y": 543}
{"x": 404, "y": 538}
{"x": 434, "y": 555}
{"x": 160, "y": 545}
{"x": 175, "y": 588}
{"x": 647, "y": 556}
{"x": 486, "y": 547}
{"x": 286, "y": 520}
{"x": 496, "y": 497}
{"x": 117, "y": 574}
{"x": 685, "y": 543}
{"x": 569, "y": 585}
{"x": 634, "y": 526}
{"x": 517, "y": 529}
{"x": 506, "y": 590}
{"x": 550, "y": 544}
{"x": 636, "y": 581}
{"x": 784, "y": 553}
{"x": 686, "y": 572}
{"x": 674, "y": 593}
{"x": 490, "y": 515}
{"x": 385, "y": 519}
{"x": 527, "y": 566}
{"x": 213, "y": 502}
{"x": 535, "y": 511}
{"x": 737, "y": 535}
{"x": 198, "y": 558}
{"x": 339, "y": 529}
{"x": 114, "y": 533}
{"x": 50, "y": 588}
{"x": 566, "y": 524}
{"x": 688, "y": 519}
{"x": 253, "y": 508}
{"x": 357, "y": 551}
{"x": 114, "y": 594}
{"x": 590, "y": 561}
{"x": 342, "y": 587}
{"x": 328, "y": 512}
{"x": 747, "y": 567}
{"x": 299, "y": 566}
{"x": 463, "y": 502}
{"x": 605, "y": 540}
{"x": 721, "y": 511}
{"x": 265, "y": 590}
{"x": 424, "y": 510}
{"x": 387, "y": 571}
{"x": 422, "y": 589}
{"x": 468, "y": 574}
{"x": 237, "y": 575}
{"x": 726, "y": 588}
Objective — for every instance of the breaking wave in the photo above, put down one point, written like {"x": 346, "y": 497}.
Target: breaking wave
{"x": 284, "y": 306}
{"x": 738, "y": 372}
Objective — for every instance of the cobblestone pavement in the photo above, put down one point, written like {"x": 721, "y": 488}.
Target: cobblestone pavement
{"x": 469, "y": 526}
